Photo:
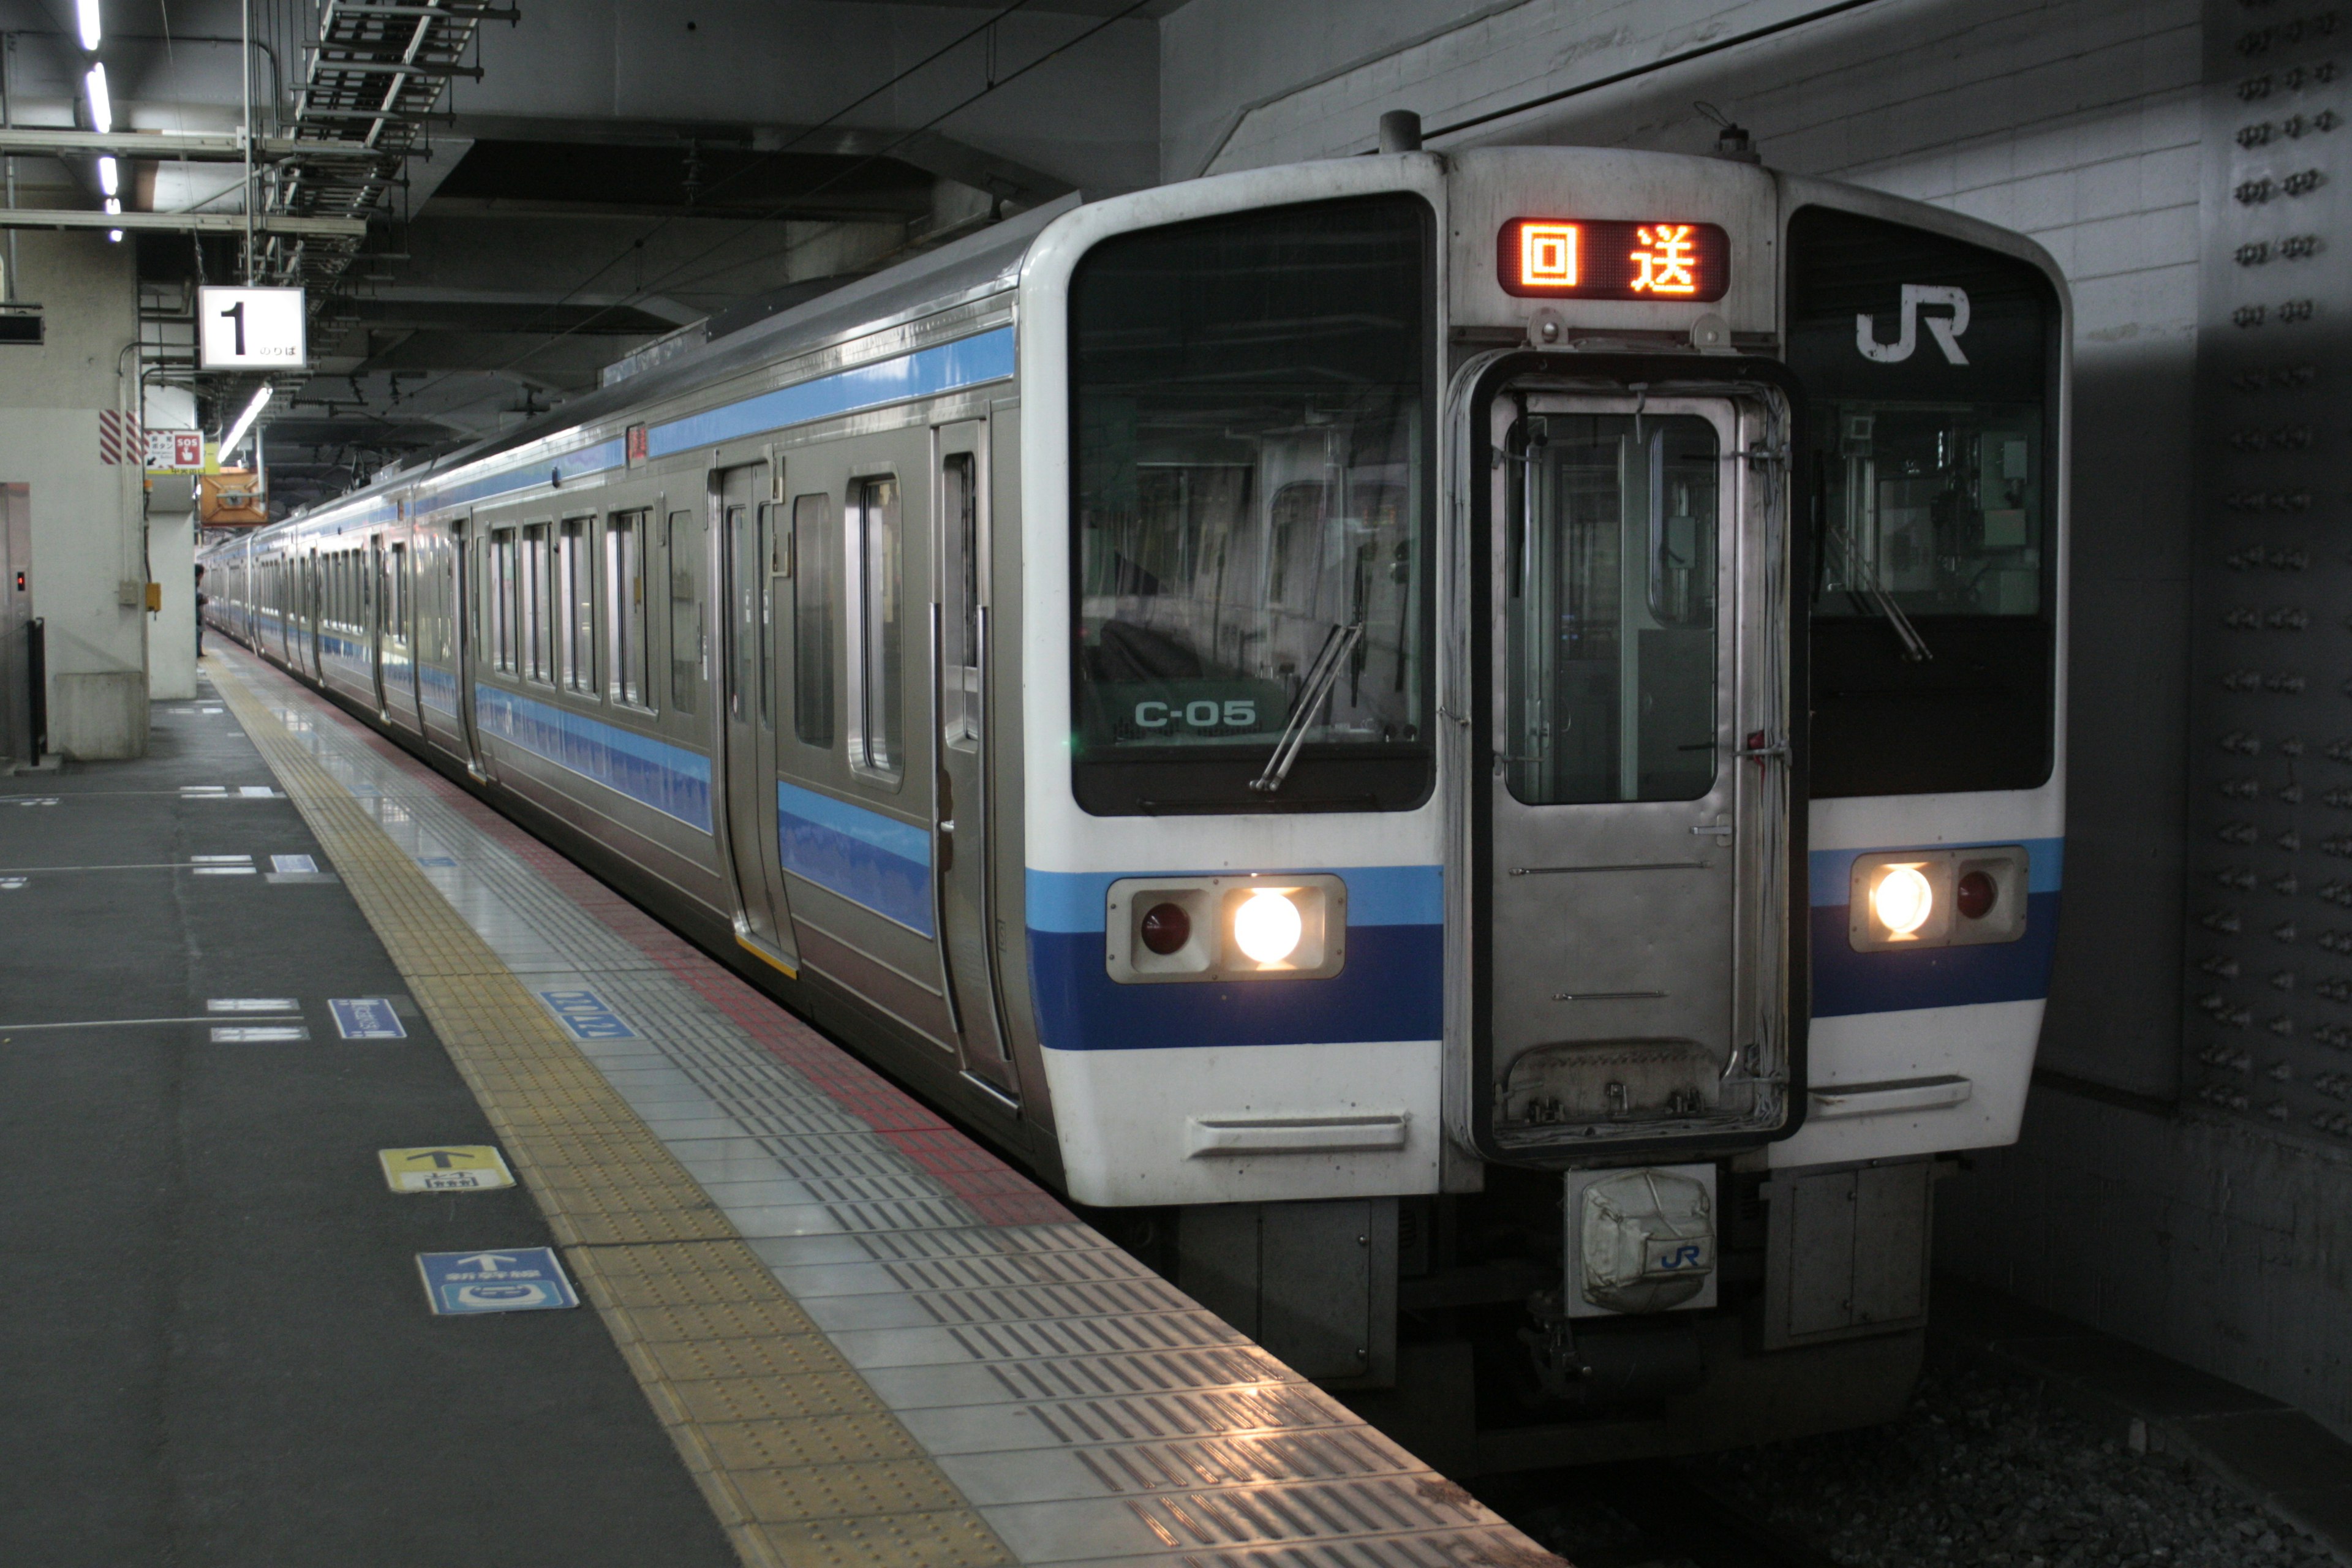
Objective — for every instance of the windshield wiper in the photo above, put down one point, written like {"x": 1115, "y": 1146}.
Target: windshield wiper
{"x": 1321, "y": 677}
{"x": 1868, "y": 590}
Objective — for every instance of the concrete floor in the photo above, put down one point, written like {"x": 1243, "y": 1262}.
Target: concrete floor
{"x": 214, "y": 1341}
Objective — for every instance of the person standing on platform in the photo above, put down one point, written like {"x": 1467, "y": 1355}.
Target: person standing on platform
{"x": 201, "y": 602}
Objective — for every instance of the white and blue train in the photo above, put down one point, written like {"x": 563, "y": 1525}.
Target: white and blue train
{"x": 1464, "y": 748}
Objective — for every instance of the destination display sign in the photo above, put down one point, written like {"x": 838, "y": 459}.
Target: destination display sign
{"x": 1583, "y": 258}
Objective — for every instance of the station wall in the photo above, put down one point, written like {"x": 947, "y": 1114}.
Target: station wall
{"x": 2084, "y": 124}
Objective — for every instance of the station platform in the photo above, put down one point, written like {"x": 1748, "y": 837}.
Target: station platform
{"x": 817, "y": 1324}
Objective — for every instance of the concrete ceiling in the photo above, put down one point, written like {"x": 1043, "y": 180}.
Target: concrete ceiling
{"x": 623, "y": 169}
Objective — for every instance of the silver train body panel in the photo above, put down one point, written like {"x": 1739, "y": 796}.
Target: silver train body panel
{"x": 841, "y": 644}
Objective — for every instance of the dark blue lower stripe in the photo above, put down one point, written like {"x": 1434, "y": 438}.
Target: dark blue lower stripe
{"x": 864, "y": 856}
{"x": 1392, "y": 989}
{"x": 1846, "y": 982}
{"x": 670, "y": 779}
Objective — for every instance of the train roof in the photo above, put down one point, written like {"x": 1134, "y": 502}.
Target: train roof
{"x": 970, "y": 268}
{"x": 979, "y": 266}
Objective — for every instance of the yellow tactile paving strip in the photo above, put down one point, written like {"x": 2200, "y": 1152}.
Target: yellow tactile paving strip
{"x": 802, "y": 1463}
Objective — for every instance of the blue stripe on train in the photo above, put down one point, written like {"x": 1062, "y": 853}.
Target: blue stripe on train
{"x": 927, "y": 373}
{"x": 870, "y": 859}
{"x": 1392, "y": 989}
{"x": 1846, "y": 982}
{"x": 924, "y": 374}
{"x": 670, "y": 779}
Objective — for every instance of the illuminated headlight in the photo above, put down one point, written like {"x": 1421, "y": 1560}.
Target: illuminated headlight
{"x": 1291, "y": 926}
{"x": 1266, "y": 926}
{"x": 1938, "y": 898}
{"x": 1903, "y": 901}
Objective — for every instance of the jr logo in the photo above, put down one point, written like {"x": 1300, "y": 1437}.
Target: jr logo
{"x": 1945, "y": 329}
{"x": 1686, "y": 1256}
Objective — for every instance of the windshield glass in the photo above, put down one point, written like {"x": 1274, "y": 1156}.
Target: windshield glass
{"x": 1930, "y": 369}
{"x": 1251, "y": 408}
{"x": 1939, "y": 508}
{"x": 1612, "y": 586}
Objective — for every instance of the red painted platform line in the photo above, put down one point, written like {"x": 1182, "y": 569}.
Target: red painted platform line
{"x": 995, "y": 1193}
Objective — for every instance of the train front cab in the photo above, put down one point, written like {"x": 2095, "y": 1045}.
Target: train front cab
{"x": 1643, "y": 705}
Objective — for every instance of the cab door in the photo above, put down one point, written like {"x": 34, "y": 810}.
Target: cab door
{"x": 961, "y": 643}
{"x": 748, "y": 560}
{"x": 1631, "y": 837}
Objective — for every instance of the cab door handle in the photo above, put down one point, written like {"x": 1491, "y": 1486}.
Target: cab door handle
{"x": 1720, "y": 829}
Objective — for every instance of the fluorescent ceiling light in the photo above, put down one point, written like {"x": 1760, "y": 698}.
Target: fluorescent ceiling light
{"x": 101, "y": 108}
{"x": 86, "y": 12}
{"x": 113, "y": 204}
{"x": 245, "y": 421}
{"x": 110, "y": 177}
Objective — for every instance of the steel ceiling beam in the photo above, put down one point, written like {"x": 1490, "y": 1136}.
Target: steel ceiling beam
{"x": 167, "y": 146}
{"x": 342, "y": 228}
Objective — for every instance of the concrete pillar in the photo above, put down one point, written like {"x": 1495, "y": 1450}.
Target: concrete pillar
{"x": 89, "y": 570}
{"x": 171, "y": 555}
{"x": 172, "y": 631}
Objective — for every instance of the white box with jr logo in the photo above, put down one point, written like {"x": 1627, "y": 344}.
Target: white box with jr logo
{"x": 1641, "y": 1240}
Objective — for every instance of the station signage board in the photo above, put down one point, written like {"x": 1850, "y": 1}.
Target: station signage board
{"x": 250, "y": 329}
{"x": 174, "y": 451}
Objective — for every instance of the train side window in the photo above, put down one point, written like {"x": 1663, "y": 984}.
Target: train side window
{"x": 688, "y": 651}
{"x": 538, "y": 624}
{"x": 960, "y": 506}
{"x": 880, "y": 702}
{"x": 396, "y": 594}
{"x": 815, "y": 568}
{"x": 625, "y": 592}
{"x": 502, "y": 600}
{"x": 576, "y": 596}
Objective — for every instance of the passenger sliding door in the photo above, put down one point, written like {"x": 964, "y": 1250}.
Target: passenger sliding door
{"x": 479, "y": 611}
{"x": 858, "y": 770}
{"x": 378, "y": 609}
{"x": 747, "y": 709}
{"x": 960, "y": 644}
{"x": 314, "y": 610}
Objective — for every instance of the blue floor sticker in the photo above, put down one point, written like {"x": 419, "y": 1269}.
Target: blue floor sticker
{"x": 366, "y": 1019}
{"x": 527, "y": 1279}
{"x": 586, "y": 1014}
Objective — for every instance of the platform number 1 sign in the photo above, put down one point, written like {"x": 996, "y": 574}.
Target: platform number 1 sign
{"x": 251, "y": 328}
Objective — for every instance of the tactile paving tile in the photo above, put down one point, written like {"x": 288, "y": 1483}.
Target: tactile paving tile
{"x": 1448, "y": 1549}
{"x": 1131, "y": 1418}
{"x": 557, "y": 1115}
{"x": 1245, "y": 1461}
{"x": 1241, "y": 1365}
{"x": 1088, "y": 1411}
{"x": 1031, "y": 1303}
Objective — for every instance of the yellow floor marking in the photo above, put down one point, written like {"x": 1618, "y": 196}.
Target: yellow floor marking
{"x": 444, "y": 1168}
{"x": 802, "y": 1463}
